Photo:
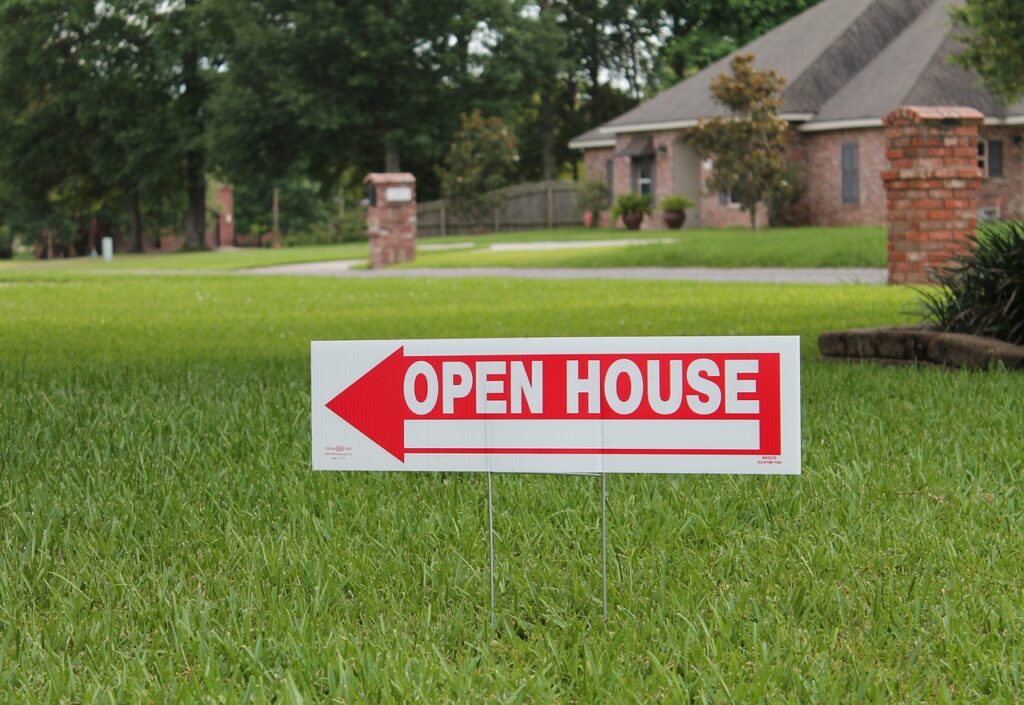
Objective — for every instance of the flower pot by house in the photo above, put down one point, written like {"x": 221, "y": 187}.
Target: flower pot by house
{"x": 632, "y": 220}
{"x": 674, "y": 219}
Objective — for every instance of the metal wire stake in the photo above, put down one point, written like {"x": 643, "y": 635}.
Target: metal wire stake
{"x": 604, "y": 547}
{"x": 490, "y": 542}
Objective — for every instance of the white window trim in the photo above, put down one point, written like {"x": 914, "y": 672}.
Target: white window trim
{"x": 983, "y": 157}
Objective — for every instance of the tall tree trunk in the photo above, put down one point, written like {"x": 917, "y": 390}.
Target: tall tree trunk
{"x": 195, "y": 217}
{"x": 392, "y": 163}
{"x": 136, "y": 214}
{"x": 545, "y": 119}
{"x": 275, "y": 240}
{"x": 546, "y": 115}
{"x": 195, "y": 158}
{"x": 753, "y": 217}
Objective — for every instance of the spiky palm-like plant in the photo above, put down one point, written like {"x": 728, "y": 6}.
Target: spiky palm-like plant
{"x": 982, "y": 292}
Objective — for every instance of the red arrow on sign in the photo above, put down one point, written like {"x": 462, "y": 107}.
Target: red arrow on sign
{"x": 622, "y": 387}
{"x": 368, "y": 404}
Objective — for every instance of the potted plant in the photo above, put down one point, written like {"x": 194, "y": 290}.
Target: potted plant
{"x": 592, "y": 198}
{"x": 674, "y": 209}
{"x": 632, "y": 207}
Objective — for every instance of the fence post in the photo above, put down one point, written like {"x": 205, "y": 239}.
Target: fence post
{"x": 444, "y": 218}
{"x": 551, "y": 205}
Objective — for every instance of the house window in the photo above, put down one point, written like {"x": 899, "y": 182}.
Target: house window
{"x": 728, "y": 198}
{"x": 643, "y": 174}
{"x": 609, "y": 176}
{"x": 990, "y": 157}
{"x": 851, "y": 172}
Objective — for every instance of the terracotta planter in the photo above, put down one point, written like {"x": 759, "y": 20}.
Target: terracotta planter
{"x": 632, "y": 220}
{"x": 674, "y": 219}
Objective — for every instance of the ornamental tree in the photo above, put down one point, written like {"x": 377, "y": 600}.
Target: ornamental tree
{"x": 748, "y": 148}
{"x": 480, "y": 161}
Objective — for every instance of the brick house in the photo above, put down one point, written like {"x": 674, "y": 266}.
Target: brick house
{"x": 847, "y": 64}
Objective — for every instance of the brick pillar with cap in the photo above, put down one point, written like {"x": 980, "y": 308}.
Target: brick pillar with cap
{"x": 931, "y": 187}
{"x": 391, "y": 218}
{"x": 226, "y": 200}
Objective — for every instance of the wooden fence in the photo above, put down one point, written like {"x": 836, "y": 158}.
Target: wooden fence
{"x": 545, "y": 204}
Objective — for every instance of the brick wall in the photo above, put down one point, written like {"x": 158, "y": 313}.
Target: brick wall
{"x": 932, "y": 187}
{"x": 595, "y": 169}
{"x": 594, "y": 163}
{"x": 715, "y": 214}
{"x": 822, "y": 158}
{"x": 820, "y": 154}
{"x": 1006, "y": 193}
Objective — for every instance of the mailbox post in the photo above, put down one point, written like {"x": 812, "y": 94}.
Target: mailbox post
{"x": 391, "y": 218}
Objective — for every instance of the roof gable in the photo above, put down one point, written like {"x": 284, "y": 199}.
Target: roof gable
{"x": 864, "y": 38}
{"x": 843, "y": 60}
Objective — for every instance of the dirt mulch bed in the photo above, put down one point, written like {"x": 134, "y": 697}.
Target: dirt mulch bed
{"x": 921, "y": 344}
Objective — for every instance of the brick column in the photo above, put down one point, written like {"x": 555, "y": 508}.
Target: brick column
{"x": 931, "y": 187}
{"x": 226, "y": 199}
{"x": 391, "y": 218}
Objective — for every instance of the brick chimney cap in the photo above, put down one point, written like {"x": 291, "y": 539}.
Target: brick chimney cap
{"x": 399, "y": 177}
{"x": 929, "y": 113}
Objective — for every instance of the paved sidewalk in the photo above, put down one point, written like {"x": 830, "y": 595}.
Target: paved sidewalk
{"x": 344, "y": 268}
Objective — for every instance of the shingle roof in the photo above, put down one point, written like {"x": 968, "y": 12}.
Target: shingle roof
{"x": 842, "y": 60}
{"x": 591, "y": 139}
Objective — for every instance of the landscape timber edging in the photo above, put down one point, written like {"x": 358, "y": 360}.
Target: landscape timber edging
{"x": 921, "y": 344}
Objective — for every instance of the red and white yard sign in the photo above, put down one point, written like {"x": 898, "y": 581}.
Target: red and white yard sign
{"x": 558, "y": 405}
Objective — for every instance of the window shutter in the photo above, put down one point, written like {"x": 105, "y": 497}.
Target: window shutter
{"x": 609, "y": 176}
{"x": 995, "y": 158}
{"x": 634, "y": 168}
{"x": 723, "y": 198}
{"x": 851, "y": 173}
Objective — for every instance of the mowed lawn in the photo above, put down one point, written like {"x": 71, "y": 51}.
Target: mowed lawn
{"x": 162, "y": 537}
{"x": 731, "y": 247}
{"x": 778, "y": 247}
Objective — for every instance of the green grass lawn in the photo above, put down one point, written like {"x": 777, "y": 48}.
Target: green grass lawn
{"x": 781, "y": 247}
{"x": 227, "y": 259}
{"x": 778, "y": 247}
{"x": 162, "y": 537}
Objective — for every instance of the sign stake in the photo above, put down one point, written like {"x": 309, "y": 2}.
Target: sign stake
{"x": 604, "y": 546}
{"x": 490, "y": 540}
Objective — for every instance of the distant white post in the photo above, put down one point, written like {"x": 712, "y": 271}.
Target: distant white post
{"x": 107, "y": 245}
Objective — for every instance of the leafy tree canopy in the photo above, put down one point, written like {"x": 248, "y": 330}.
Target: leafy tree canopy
{"x": 748, "y": 148}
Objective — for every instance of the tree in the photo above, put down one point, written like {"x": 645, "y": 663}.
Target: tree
{"x": 479, "y": 162}
{"x": 188, "y": 33}
{"x": 698, "y": 32}
{"x": 316, "y": 87}
{"x": 994, "y": 44}
{"x": 748, "y": 148}
{"x": 96, "y": 113}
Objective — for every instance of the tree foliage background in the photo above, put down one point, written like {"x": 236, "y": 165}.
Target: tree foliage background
{"x": 994, "y": 44}
{"x": 117, "y": 114}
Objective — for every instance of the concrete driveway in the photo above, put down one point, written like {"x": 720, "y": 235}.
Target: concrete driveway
{"x": 779, "y": 275}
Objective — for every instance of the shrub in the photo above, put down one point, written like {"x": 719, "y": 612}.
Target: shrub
{"x": 982, "y": 293}
{"x": 676, "y": 203}
{"x": 593, "y": 196}
{"x": 629, "y": 203}
{"x": 785, "y": 194}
